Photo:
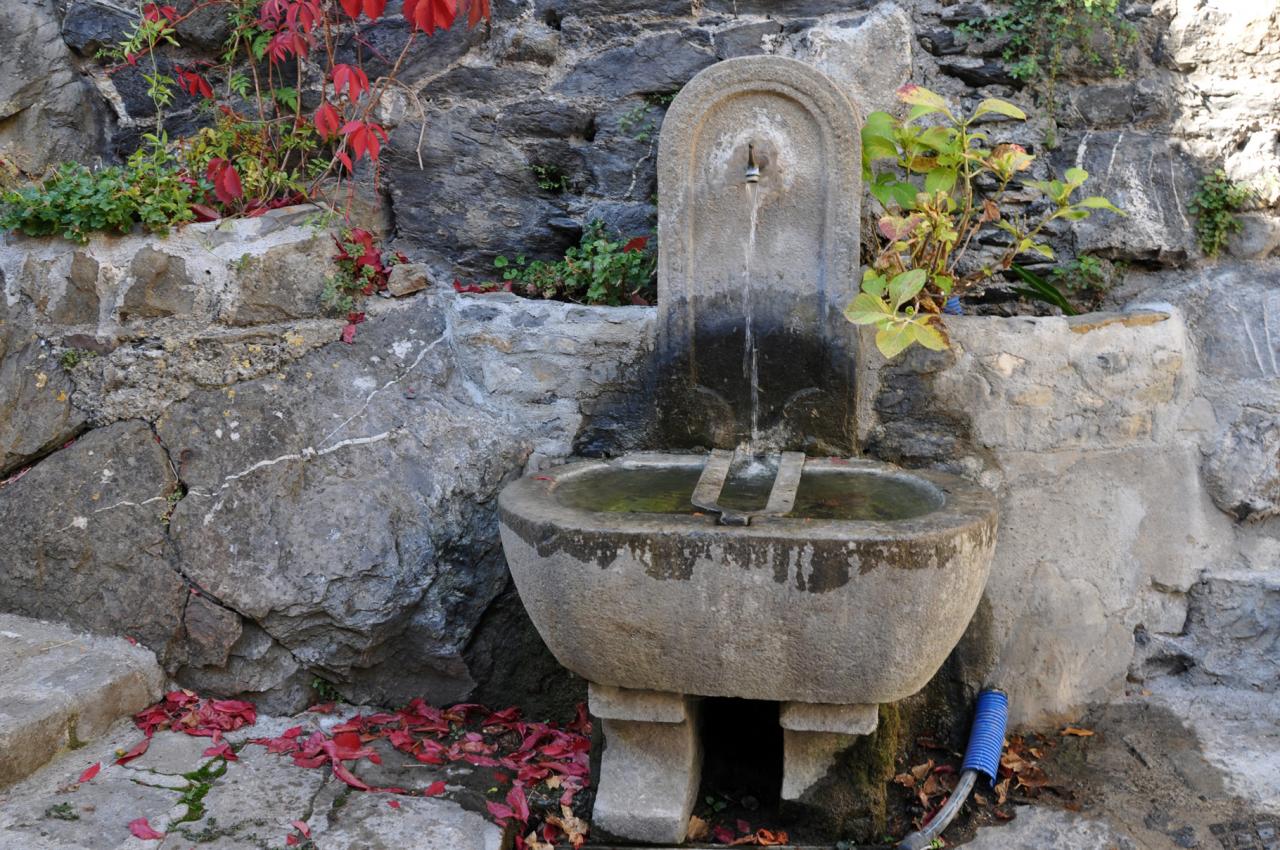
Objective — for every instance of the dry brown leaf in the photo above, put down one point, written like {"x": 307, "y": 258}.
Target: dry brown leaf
{"x": 906, "y": 780}
{"x": 920, "y": 771}
{"x": 1002, "y": 792}
{"x": 1077, "y": 732}
{"x": 699, "y": 830}
{"x": 574, "y": 827}
{"x": 534, "y": 843}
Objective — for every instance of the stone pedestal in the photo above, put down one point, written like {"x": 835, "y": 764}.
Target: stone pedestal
{"x": 813, "y": 735}
{"x": 651, "y": 766}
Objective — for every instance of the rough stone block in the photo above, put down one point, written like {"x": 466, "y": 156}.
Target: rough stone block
{"x": 807, "y": 757}
{"x": 649, "y": 776}
{"x": 610, "y": 703}
{"x": 61, "y": 688}
{"x": 820, "y": 717}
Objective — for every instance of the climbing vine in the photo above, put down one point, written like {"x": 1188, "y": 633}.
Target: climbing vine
{"x": 1214, "y": 206}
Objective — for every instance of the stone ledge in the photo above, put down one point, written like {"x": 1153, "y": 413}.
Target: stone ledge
{"x": 61, "y": 688}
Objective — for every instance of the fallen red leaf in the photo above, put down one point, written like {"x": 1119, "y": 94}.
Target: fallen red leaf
{"x": 435, "y": 789}
{"x": 302, "y": 827}
{"x": 89, "y": 773}
{"x": 395, "y": 804}
{"x": 137, "y": 750}
{"x": 141, "y": 829}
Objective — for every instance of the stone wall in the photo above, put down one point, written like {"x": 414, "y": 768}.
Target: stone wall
{"x": 580, "y": 86}
{"x": 194, "y": 460}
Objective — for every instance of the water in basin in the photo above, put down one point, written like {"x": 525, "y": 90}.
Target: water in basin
{"x": 823, "y": 494}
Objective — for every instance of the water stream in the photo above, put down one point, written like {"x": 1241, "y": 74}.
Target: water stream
{"x": 750, "y": 354}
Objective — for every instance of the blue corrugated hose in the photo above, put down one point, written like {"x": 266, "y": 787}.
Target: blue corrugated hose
{"x": 986, "y": 739}
{"x": 982, "y": 756}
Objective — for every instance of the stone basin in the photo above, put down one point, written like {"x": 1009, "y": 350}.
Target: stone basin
{"x": 855, "y": 597}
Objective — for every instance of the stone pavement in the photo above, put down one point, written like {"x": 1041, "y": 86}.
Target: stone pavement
{"x": 251, "y": 805}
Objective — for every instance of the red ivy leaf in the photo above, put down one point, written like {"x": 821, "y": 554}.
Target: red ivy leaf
{"x": 374, "y": 8}
{"x": 327, "y": 120}
{"x": 137, "y": 750}
{"x": 395, "y": 804}
{"x": 353, "y": 79}
{"x": 435, "y": 789}
{"x": 89, "y": 773}
{"x": 141, "y": 829}
{"x": 302, "y": 827}
{"x": 479, "y": 11}
{"x": 226, "y": 181}
{"x": 636, "y": 244}
{"x": 349, "y": 336}
{"x": 345, "y": 160}
{"x": 430, "y": 15}
{"x": 351, "y": 7}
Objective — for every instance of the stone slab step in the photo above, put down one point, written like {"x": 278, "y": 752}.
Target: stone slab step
{"x": 60, "y": 688}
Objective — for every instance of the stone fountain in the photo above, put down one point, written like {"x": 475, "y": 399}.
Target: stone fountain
{"x": 771, "y": 567}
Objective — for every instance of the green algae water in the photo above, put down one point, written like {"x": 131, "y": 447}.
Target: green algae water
{"x": 823, "y": 494}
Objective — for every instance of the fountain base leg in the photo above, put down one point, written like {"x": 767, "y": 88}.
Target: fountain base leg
{"x": 813, "y": 735}
{"x": 651, "y": 766}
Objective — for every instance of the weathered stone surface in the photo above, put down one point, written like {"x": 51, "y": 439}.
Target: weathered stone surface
{"x": 789, "y": 120}
{"x": 406, "y": 279}
{"x": 89, "y": 26}
{"x": 48, "y": 113}
{"x": 649, "y": 776}
{"x": 807, "y": 757}
{"x": 870, "y": 59}
{"x": 63, "y": 688}
{"x": 366, "y": 822}
{"x": 83, "y": 537}
{"x": 1243, "y": 467}
{"x": 1257, "y": 239}
{"x": 1037, "y": 828}
{"x": 36, "y": 413}
{"x": 1151, "y": 177}
{"x": 1051, "y": 383}
{"x": 690, "y": 571}
{"x": 377, "y": 558}
{"x": 565, "y": 370}
{"x": 161, "y": 287}
{"x": 1232, "y": 635}
{"x": 612, "y": 703}
{"x": 459, "y": 210}
{"x": 282, "y": 283}
{"x": 850, "y": 719}
{"x": 659, "y": 64}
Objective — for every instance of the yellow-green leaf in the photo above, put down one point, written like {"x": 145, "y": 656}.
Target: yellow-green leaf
{"x": 929, "y": 336}
{"x": 1076, "y": 177}
{"x": 874, "y": 283}
{"x": 906, "y": 286}
{"x": 940, "y": 180}
{"x": 1097, "y": 202}
{"x": 866, "y": 309}
{"x": 1000, "y": 107}
{"x": 894, "y": 340}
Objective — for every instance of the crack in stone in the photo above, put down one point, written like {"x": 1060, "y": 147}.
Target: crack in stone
{"x": 369, "y": 398}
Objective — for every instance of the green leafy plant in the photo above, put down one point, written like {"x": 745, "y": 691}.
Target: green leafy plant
{"x": 599, "y": 270}
{"x": 1038, "y": 289}
{"x": 1042, "y": 33}
{"x": 262, "y": 149}
{"x": 1214, "y": 206}
{"x": 550, "y": 178}
{"x": 934, "y": 212}
{"x": 150, "y": 189}
{"x": 1086, "y": 278}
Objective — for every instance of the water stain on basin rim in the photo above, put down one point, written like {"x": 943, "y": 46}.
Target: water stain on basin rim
{"x": 928, "y": 520}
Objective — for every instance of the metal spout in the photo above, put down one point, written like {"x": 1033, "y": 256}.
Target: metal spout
{"x": 753, "y": 170}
